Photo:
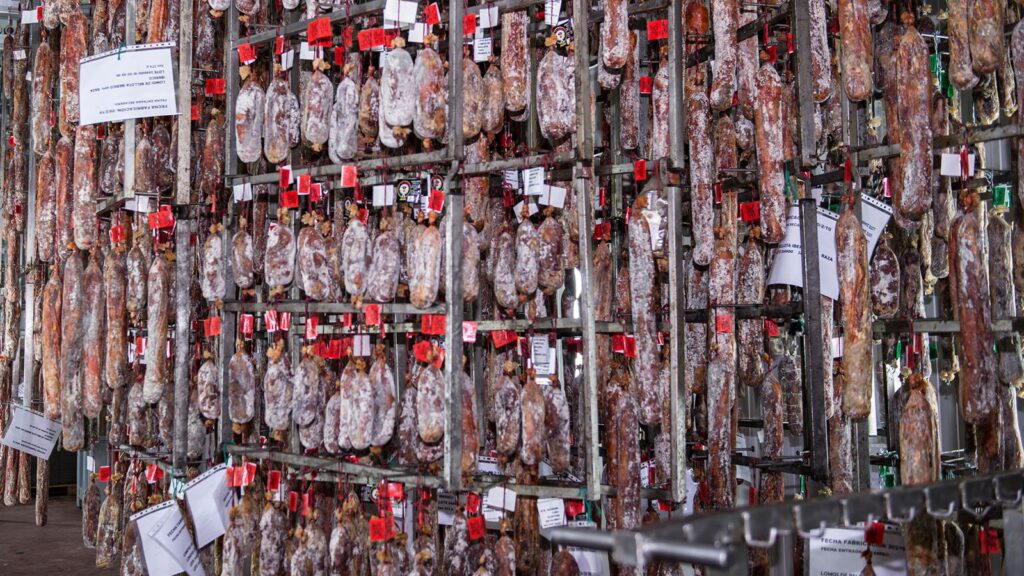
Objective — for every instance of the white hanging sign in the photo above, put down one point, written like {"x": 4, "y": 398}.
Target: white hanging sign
{"x": 129, "y": 82}
{"x": 31, "y": 432}
{"x": 837, "y": 552}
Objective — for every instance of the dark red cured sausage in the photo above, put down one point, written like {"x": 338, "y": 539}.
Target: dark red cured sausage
{"x": 855, "y": 33}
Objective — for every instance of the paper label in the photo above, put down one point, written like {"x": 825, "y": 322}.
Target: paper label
{"x": 31, "y": 432}
{"x": 129, "y": 82}
{"x": 287, "y": 60}
{"x": 551, "y": 512}
{"x": 161, "y": 561}
{"x": 951, "y": 166}
{"x": 540, "y": 353}
{"x": 306, "y": 52}
{"x": 518, "y": 209}
{"x": 489, "y": 17}
{"x": 500, "y": 498}
{"x": 446, "y": 506}
{"x": 553, "y": 196}
{"x": 242, "y": 192}
{"x": 31, "y": 16}
{"x": 418, "y": 31}
{"x": 487, "y": 465}
{"x": 787, "y": 267}
{"x": 533, "y": 181}
{"x": 383, "y": 195}
{"x": 874, "y": 217}
{"x": 481, "y": 50}
{"x": 838, "y": 553}
{"x": 552, "y": 8}
{"x": 209, "y": 499}
{"x": 400, "y": 11}
{"x": 173, "y": 536}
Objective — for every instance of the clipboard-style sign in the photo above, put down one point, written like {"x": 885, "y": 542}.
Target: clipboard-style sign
{"x": 129, "y": 82}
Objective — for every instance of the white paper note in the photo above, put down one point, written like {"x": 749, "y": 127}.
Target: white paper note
{"x": 487, "y": 465}
{"x": 287, "y": 59}
{"x": 951, "y": 166}
{"x": 511, "y": 178}
{"x": 305, "y": 52}
{"x": 540, "y": 353}
{"x": 481, "y": 50}
{"x": 788, "y": 266}
{"x": 551, "y": 512}
{"x": 172, "y": 534}
{"x": 361, "y": 345}
{"x": 590, "y": 562}
{"x": 518, "y": 209}
{"x": 552, "y": 8}
{"x": 159, "y": 560}
{"x": 400, "y": 11}
{"x": 383, "y": 195}
{"x": 30, "y": 16}
{"x": 209, "y": 500}
{"x": 501, "y": 498}
{"x": 553, "y": 196}
{"x": 242, "y": 192}
{"x": 837, "y": 552}
{"x": 418, "y": 31}
{"x": 129, "y": 82}
{"x": 31, "y": 432}
{"x": 533, "y": 181}
{"x": 488, "y": 17}
{"x": 874, "y": 216}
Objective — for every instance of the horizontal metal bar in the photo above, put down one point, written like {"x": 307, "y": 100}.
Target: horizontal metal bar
{"x": 974, "y": 135}
{"x": 302, "y": 307}
{"x": 301, "y": 26}
{"x": 705, "y": 53}
{"x": 940, "y": 326}
{"x": 366, "y": 165}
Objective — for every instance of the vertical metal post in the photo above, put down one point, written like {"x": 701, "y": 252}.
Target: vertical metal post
{"x": 589, "y": 334}
{"x": 128, "y": 190}
{"x": 805, "y": 90}
{"x": 780, "y": 557}
{"x": 452, "y": 480}
{"x": 456, "y": 142}
{"x": 182, "y": 328}
{"x": 816, "y": 426}
{"x": 677, "y": 347}
{"x": 184, "y": 192}
{"x": 584, "y": 122}
{"x": 676, "y": 85}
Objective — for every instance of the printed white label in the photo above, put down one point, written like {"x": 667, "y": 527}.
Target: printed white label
{"x": 446, "y": 506}
{"x": 951, "y": 166}
{"x": 307, "y": 53}
{"x": 31, "y": 432}
{"x": 488, "y": 17}
{"x": 501, "y": 498}
{"x": 553, "y": 196}
{"x": 287, "y": 60}
{"x": 160, "y": 560}
{"x": 533, "y": 181}
{"x": 90, "y": 463}
{"x": 400, "y": 11}
{"x": 874, "y": 217}
{"x": 552, "y": 8}
{"x": 383, "y": 195}
{"x": 511, "y": 178}
{"x": 838, "y": 553}
{"x": 540, "y": 352}
{"x": 130, "y": 82}
{"x": 487, "y": 465}
{"x": 518, "y": 209}
{"x": 481, "y": 50}
{"x": 20, "y": 55}
{"x": 209, "y": 499}
{"x": 787, "y": 267}
{"x": 418, "y": 31}
{"x": 551, "y": 512}
{"x": 242, "y": 192}
{"x": 361, "y": 345}
{"x": 837, "y": 347}
{"x": 30, "y": 16}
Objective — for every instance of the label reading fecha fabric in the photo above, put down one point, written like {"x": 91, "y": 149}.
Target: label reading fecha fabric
{"x": 129, "y": 82}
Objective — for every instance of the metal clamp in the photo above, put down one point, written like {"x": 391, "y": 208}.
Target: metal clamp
{"x": 761, "y": 526}
{"x": 864, "y": 508}
{"x": 977, "y": 496}
{"x": 814, "y": 516}
{"x": 902, "y": 505}
{"x": 1009, "y": 488}
{"x": 942, "y": 500}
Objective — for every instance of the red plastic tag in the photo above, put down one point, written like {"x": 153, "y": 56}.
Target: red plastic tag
{"x": 289, "y": 199}
{"x": 371, "y": 314}
{"x": 646, "y": 84}
{"x": 789, "y": 42}
{"x": 162, "y": 218}
{"x": 602, "y": 229}
{"x": 284, "y": 176}
{"x": 574, "y": 508}
{"x": 117, "y": 234}
{"x": 246, "y": 54}
{"x": 211, "y": 326}
{"x": 363, "y": 215}
{"x": 101, "y": 131}
{"x": 274, "y": 480}
{"x": 39, "y": 12}
{"x": 346, "y": 37}
{"x": 315, "y": 191}
{"x": 473, "y": 503}
{"x": 246, "y": 322}
{"x": 885, "y": 188}
{"x": 270, "y": 320}
{"x": 306, "y": 504}
{"x": 874, "y": 534}
{"x": 640, "y": 170}
{"x": 469, "y": 24}
{"x": 432, "y": 14}
{"x": 477, "y": 528}
{"x": 619, "y": 343}
{"x": 312, "y": 322}
{"x": 657, "y": 29}
{"x": 750, "y": 211}
{"x": 723, "y": 323}
{"x": 422, "y": 350}
{"x": 396, "y": 491}
{"x": 502, "y": 338}
{"x": 153, "y": 473}
{"x": 436, "y": 201}
{"x": 848, "y": 171}
{"x": 772, "y": 328}
{"x": 248, "y": 473}
{"x": 773, "y": 53}
{"x": 318, "y": 30}
{"x": 195, "y": 112}
{"x": 293, "y": 501}
{"x": 992, "y": 538}
{"x": 284, "y": 321}
{"x": 339, "y": 56}
{"x": 140, "y": 345}
{"x": 349, "y": 176}
{"x": 304, "y": 182}
{"x": 378, "y": 531}
{"x": 346, "y": 319}
{"x": 214, "y": 86}
{"x": 103, "y": 475}
{"x": 278, "y": 45}
{"x": 469, "y": 331}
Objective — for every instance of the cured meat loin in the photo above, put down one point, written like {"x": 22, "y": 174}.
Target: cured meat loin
{"x": 615, "y": 34}
{"x": 557, "y": 424}
{"x": 624, "y": 461}
{"x": 317, "y": 102}
{"x": 280, "y": 120}
{"x": 986, "y": 34}
{"x": 209, "y": 389}
{"x": 355, "y": 245}
{"x": 307, "y": 395}
{"x": 369, "y": 108}
{"x": 314, "y": 273}
{"x": 241, "y": 389}
{"x": 768, "y": 134}
{"x": 91, "y": 513}
{"x": 385, "y": 265}
{"x": 112, "y": 163}
{"x": 311, "y": 436}
{"x": 527, "y": 265}
{"x": 696, "y": 332}
{"x": 507, "y": 413}
{"x": 504, "y": 277}
{"x": 385, "y": 405}
{"x": 476, "y": 190}
{"x": 243, "y": 522}
{"x": 854, "y": 294}
{"x": 972, "y": 305}
{"x": 911, "y": 286}
{"x": 534, "y": 432}
{"x": 1004, "y": 305}
{"x": 425, "y": 275}
{"x": 72, "y": 325}
{"x": 430, "y": 404}
{"x": 702, "y": 176}
{"x": 51, "y": 340}
{"x": 137, "y": 416}
{"x": 108, "y": 530}
{"x": 361, "y": 408}
{"x": 279, "y": 264}
{"x": 163, "y": 171}
{"x": 750, "y": 281}
{"x": 821, "y": 59}
{"x": 493, "y": 109}
{"x": 473, "y": 99}
{"x": 773, "y": 409}
{"x": 725, "y": 22}
{"x": 332, "y": 423}
{"x": 74, "y": 46}
{"x": 278, "y": 382}
{"x": 46, "y": 207}
{"x": 158, "y": 305}
{"x": 915, "y": 132}
{"x": 343, "y": 141}
{"x": 212, "y": 282}
{"x": 470, "y": 433}
{"x": 721, "y": 375}
{"x": 556, "y": 95}
{"x": 660, "y": 146}
{"x": 430, "y": 119}
{"x": 645, "y": 303}
{"x": 515, "y": 49}
{"x": 273, "y": 528}
{"x": 84, "y": 208}
{"x": 918, "y": 436}
{"x": 397, "y": 89}
{"x": 42, "y": 488}
{"x": 94, "y": 312}
{"x": 249, "y": 109}
{"x": 629, "y": 98}
{"x": 42, "y": 91}
{"x": 855, "y": 34}
{"x": 885, "y": 282}
{"x": 551, "y": 269}
{"x": 471, "y": 262}
{"x": 211, "y": 164}
{"x": 243, "y": 268}
{"x": 136, "y": 266}
{"x": 961, "y": 71}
